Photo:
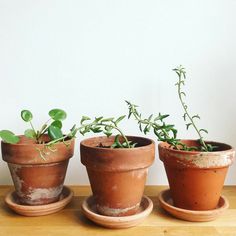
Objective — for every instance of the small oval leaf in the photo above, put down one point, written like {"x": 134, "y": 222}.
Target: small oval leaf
{"x": 29, "y": 133}
{"x": 9, "y": 137}
{"x": 54, "y": 132}
{"x": 26, "y": 115}
{"x": 57, "y": 114}
{"x": 57, "y": 123}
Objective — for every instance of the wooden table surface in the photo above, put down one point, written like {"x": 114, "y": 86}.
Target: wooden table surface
{"x": 70, "y": 220}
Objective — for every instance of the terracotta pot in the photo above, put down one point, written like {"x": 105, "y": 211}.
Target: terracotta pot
{"x": 37, "y": 181}
{"x": 117, "y": 176}
{"x": 196, "y": 178}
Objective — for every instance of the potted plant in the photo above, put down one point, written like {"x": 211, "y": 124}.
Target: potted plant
{"x": 196, "y": 169}
{"x": 38, "y": 159}
{"x": 117, "y": 166}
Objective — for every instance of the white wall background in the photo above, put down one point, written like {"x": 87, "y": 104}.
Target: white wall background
{"x": 87, "y": 57}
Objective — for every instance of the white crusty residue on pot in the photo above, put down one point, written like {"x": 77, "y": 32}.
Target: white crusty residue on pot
{"x": 35, "y": 194}
{"x": 206, "y": 160}
{"x": 115, "y": 211}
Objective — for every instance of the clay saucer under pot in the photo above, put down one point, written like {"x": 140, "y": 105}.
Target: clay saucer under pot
{"x": 166, "y": 203}
{"x": 39, "y": 210}
{"x": 116, "y": 222}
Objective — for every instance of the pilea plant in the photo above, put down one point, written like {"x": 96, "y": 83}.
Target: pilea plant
{"x": 167, "y": 132}
{"x": 52, "y": 127}
{"x": 106, "y": 126}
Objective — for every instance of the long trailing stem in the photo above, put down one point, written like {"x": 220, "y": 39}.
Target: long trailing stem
{"x": 84, "y": 127}
{"x": 105, "y": 125}
{"x": 164, "y": 132}
{"x": 180, "y": 71}
{"x": 189, "y": 117}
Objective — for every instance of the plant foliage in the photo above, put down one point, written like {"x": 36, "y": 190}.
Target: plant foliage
{"x": 190, "y": 119}
{"x": 167, "y": 132}
{"x": 106, "y": 126}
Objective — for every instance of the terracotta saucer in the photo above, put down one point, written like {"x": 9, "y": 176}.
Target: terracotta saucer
{"x": 40, "y": 210}
{"x": 89, "y": 210}
{"x": 196, "y": 216}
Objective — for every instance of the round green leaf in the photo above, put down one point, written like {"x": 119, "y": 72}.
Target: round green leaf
{"x": 26, "y": 115}
{"x": 57, "y": 114}
{"x": 29, "y": 133}
{"x": 57, "y": 123}
{"x": 54, "y": 132}
{"x": 9, "y": 137}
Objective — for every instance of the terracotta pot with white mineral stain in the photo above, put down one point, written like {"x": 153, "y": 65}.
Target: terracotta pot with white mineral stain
{"x": 196, "y": 178}
{"x": 117, "y": 176}
{"x": 37, "y": 181}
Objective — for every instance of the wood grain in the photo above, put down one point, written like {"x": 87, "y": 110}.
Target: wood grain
{"x": 70, "y": 220}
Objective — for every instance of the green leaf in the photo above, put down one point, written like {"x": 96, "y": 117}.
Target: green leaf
{"x": 184, "y": 116}
{"x": 26, "y": 115}
{"x": 188, "y": 125}
{"x": 211, "y": 148}
{"x": 73, "y": 131}
{"x": 169, "y": 127}
{"x": 133, "y": 145}
{"x": 161, "y": 117}
{"x": 57, "y": 123}
{"x": 29, "y": 133}
{"x": 107, "y": 119}
{"x": 129, "y": 115}
{"x": 203, "y": 130}
{"x": 119, "y": 119}
{"x": 96, "y": 130}
{"x": 57, "y": 114}
{"x": 107, "y": 133}
{"x": 117, "y": 143}
{"x": 54, "y": 132}
{"x": 108, "y": 128}
{"x": 98, "y": 119}
{"x": 196, "y": 116}
{"x": 174, "y": 131}
{"x": 150, "y": 117}
{"x": 147, "y": 129}
{"x": 9, "y": 137}
{"x": 84, "y": 118}
{"x": 140, "y": 127}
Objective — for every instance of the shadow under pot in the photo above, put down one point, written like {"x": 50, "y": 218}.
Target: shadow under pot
{"x": 196, "y": 178}
{"x": 117, "y": 175}
{"x": 37, "y": 181}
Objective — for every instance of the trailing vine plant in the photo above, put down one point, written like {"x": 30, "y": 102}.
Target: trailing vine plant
{"x": 180, "y": 71}
{"x": 166, "y": 132}
{"x": 106, "y": 126}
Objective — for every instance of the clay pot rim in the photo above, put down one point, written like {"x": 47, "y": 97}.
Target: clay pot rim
{"x": 197, "y": 159}
{"x": 84, "y": 143}
{"x": 32, "y": 143}
{"x": 230, "y": 148}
